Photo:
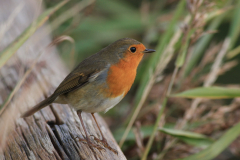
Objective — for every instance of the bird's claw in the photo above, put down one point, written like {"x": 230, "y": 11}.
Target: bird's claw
{"x": 81, "y": 139}
{"x": 105, "y": 144}
{"x": 91, "y": 144}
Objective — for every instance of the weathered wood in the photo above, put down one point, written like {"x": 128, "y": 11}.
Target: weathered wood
{"x": 53, "y": 132}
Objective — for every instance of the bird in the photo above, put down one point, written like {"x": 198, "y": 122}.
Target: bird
{"x": 98, "y": 83}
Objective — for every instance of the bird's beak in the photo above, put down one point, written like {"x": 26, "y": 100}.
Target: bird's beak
{"x": 149, "y": 50}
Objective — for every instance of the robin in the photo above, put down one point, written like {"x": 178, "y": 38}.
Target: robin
{"x": 99, "y": 82}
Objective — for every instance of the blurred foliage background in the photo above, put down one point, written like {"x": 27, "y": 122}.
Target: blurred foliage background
{"x": 197, "y": 43}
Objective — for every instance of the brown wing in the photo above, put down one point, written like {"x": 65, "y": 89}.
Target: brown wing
{"x": 85, "y": 72}
{"x": 73, "y": 82}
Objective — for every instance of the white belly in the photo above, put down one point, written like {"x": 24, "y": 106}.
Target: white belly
{"x": 112, "y": 102}
{"x": 98, "y": 105}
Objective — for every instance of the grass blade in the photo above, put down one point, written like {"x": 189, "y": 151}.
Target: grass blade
{"x": 235, "y": 26}
{"x": 9, "y": 51}
{"x": 210, "y": 93}
{"x": 145, "y": 131}
{"x": 217, "y": 147}
{"x": 191, "y": 138}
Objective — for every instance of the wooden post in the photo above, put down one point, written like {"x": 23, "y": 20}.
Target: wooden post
{"x": 50, "y": 133}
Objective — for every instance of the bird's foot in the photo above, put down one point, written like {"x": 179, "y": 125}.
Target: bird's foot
{"x": 90, "y": 144}
{"x": 105, "y": 144}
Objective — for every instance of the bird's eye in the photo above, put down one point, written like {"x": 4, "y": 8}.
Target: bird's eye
{"x": 133, "y": 49}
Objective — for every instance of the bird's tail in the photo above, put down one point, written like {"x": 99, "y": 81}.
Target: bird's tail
{"x": 39, "y": 106}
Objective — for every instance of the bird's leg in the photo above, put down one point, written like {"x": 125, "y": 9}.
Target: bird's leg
{"x": 104, "y": 140}
{"x": 90, "y": 144}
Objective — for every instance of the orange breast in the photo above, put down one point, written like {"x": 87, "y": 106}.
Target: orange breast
{"x": 122, "y": 75}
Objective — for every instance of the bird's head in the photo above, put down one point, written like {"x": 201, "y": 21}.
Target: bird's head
{"x": 126, "y": 49}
